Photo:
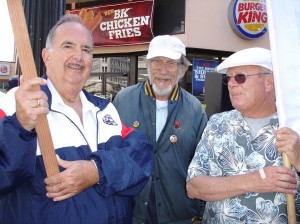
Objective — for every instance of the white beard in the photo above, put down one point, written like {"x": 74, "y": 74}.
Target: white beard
{"x": 161, "y": 92}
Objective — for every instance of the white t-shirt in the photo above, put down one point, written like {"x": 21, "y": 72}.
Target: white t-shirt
{"x": 161, "y": 116}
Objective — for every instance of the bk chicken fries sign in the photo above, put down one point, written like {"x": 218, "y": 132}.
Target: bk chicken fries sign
{"x": 119, "y": 24}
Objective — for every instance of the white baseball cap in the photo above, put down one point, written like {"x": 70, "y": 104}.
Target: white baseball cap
{"x": 166, "y": 46}
{"x": 251, "y": 56}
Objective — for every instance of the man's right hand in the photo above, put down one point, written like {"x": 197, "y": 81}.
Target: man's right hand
{"x": 30, "y": 103}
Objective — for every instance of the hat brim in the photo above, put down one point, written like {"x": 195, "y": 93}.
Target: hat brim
{"x": 251, "y": 56}
{"x": 164, "y": 53}
{"x": 223, "y": 70}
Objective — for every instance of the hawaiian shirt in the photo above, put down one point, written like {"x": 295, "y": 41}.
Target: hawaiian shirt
{"x": 227, "y": 148}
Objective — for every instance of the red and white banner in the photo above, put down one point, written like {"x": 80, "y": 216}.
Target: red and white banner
{"x": 119, "y": 24}
{"x": 284, "y": 32}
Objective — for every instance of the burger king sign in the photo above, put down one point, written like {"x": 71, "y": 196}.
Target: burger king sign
{"x": 248, "y": 18}
{"x": 4, "y": 69}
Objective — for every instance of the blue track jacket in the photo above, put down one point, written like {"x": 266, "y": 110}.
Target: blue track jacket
{"x": 124, "y": 165}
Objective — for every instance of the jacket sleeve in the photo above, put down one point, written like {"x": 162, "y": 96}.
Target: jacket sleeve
{"x": 17, "y": 154}
{"x": 124, "y": 165}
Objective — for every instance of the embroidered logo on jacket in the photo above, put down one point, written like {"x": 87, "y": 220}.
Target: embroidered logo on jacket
{"x": 107, "y": 119}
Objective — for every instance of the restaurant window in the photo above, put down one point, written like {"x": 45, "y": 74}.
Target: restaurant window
{"x": 142, "y": 69}
{"x": 109, "y": 75}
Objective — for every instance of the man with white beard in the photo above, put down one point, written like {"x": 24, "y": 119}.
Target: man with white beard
{"x": 174, "y": 121}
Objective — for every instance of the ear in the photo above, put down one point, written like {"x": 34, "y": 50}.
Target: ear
{"x": 184, "y": 69}
{"x": 45, "y": 55}
{"x": 269, "y": 82}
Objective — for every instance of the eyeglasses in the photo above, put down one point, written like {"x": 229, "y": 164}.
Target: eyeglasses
{"x": 170, "y": 65}
{"x": 239, "y": 78}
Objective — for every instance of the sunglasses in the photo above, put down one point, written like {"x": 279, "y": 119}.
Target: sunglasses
{"x": 239, "y": 78}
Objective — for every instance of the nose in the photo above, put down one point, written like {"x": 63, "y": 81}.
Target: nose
{"x": 78, "y": 54}
{"x": 164, "y": 68}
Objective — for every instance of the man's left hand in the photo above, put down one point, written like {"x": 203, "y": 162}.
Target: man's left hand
{"x": 78, "y": 176}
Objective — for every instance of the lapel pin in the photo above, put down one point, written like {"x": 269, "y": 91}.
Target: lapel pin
{"x": 136, "y": 124}
{"x": 173, "y": 138}
{"x": 177, "y": 124}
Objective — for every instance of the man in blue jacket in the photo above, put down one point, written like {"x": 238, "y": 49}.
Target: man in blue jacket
{"x": 174, "y": 121}
{"x": 102, "y": 164}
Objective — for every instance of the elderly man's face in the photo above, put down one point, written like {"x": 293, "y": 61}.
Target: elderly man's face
{"x": 164, "y": 75}
{"x": 252, "y": 96}
{"x": 69, "y": 61}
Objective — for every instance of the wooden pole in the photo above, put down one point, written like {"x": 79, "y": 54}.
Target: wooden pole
{"x": 290, "y": 200}
{"x": 27, "y": 64}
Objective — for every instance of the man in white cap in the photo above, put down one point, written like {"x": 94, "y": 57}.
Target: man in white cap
{"x": 174, "y": 121}
{"x": 237, "y": 167}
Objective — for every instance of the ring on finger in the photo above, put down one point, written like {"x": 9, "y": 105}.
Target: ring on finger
{"x": 38, "y": 103}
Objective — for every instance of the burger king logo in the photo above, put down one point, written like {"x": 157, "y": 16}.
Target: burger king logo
{"x": 248, "y": 18}
{"x": 4, "y": 69}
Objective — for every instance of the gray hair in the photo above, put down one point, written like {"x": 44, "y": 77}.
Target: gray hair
{"x": 185, "y": 61}
{"x": 182, "y": 61}
{"x": 64, "y": 19}
{"x": 265, "y": 70}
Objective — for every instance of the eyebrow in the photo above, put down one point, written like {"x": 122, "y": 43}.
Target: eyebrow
{"x": 73, "y": 44}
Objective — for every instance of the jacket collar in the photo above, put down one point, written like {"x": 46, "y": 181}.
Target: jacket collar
{"x": 173, "y": 96}
{"x": 98, "y": 102}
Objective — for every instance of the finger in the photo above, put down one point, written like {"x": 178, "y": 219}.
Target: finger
{"x": 55, "y": 189}
{"x": 63, "y": 197}
{"x": 287, "y": 179}
{"x": 63, "y": 163}
{"x": 54, "y": 180}
{"x": 42, "y": 103}
{"x": 285, "y": 170}
{"x": 285, "y": 190}
{"x": 60, "y": 194}
{"x": 286, "y": 185}
{"x": 36, "y": 103}
{"x": 21, "y": 79}
{"x": 31, "y": 83}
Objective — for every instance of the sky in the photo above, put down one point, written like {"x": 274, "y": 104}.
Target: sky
{"x": 6, "y": 34}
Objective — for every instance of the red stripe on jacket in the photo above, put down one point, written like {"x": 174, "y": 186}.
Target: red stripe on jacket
{"x": 2, "y": 114}
{"x": 126, "y": 131}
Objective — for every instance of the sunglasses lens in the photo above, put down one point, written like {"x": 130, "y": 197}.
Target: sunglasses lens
{"x": 240, "y": 78}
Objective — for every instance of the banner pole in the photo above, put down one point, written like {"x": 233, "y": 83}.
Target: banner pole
{"x": 27, "y": 64}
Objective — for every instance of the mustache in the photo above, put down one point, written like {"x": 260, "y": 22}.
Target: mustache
{"x": 75, "y": 65}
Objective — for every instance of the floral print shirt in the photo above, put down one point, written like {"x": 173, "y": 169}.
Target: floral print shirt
{"x": 227, "y": 148}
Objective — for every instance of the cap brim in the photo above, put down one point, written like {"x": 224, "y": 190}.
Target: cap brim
{"x": 164, "y": 53}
